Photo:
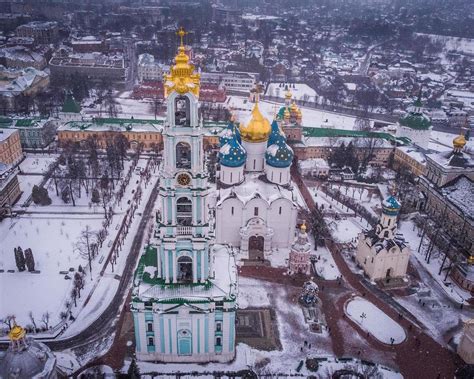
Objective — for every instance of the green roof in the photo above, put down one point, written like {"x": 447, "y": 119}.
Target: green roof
{"x": 415, "y": 121}
{"x": 330, "y": 132}
{"x": 70, "y": 105}
{"x": 5, "y": 122}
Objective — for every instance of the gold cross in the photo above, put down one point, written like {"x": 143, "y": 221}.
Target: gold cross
{"x": 181, "y": 33}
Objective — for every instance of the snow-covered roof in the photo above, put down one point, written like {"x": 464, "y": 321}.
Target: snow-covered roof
{"x": 461, "y": 193}
{"x": 253, "y": 187}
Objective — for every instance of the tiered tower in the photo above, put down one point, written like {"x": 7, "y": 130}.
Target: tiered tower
{"x": 184, "y": 290}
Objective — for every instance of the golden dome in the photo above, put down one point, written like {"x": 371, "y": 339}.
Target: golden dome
{"x": 470, "y": 260}
{"x": 303, "y": 226}
{"x": 16, "y": 333}
{"x": 182, "y": 77}
{"x": 286, "y": 114}
{"x": 288, "y": 95}
{"x": 293, "y": 107}
{"x": 258, "y": 129}
{"x": 459, "y": 142}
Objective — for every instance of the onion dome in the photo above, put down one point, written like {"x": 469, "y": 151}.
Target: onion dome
{"x": 293, "y": 107}
{"x": 26, "y": 358}
{"x": 288, "y": 95}
{"x": 391, "y": 206}
{"x": 226, "y": 134}
{"x": 459, "y": 142}
{"x": 279, "y": 154}
{"x": 232, "y": 154}
{"x": 258, "y": 129}
{"x": 276, "y": 135}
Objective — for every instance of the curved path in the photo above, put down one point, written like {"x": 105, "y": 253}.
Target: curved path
{"x": 103, "y": 326}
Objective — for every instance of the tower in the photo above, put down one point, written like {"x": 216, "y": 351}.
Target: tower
{"x": 180, "y": 313}
{"x": 299, "y": 261}
{"x": 387, "y": 226}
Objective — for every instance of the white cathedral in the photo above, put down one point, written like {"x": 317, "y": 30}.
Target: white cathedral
{"x": 184, "y": 291}
{"x": 256, "y": 209}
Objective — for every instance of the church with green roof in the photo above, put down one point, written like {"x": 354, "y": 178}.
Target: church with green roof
{"x": 415, "y": 125}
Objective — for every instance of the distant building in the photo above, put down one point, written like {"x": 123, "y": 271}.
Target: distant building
{"x": 382, "y": 252}
{"x": 9, "y": 189}
{"x": 10, "y": 147}
{"x": 232, "y": 80}
{"x": 43, "y": 32}
{"x": 13, "y": 83}
{"x": 148, "y": 68}
{"x": 88, "y": 44}
{"x": 227, "y": 15}
{"x": 21, "y": 57}
{"x": 466, "y": 344}
{"x": 34, "y": 133}
{"x": 415, "y": 126}
{"x": 71, "y": 110}
{"x": 95, "y": 66}
{"x": 411, "y": 158}
{"x": 316, "y": 167}
{"x": 146, "y": 132}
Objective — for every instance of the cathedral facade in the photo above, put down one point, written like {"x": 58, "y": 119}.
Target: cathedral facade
{"x": 184, "y": 291}
{"x": 256, "y": 207}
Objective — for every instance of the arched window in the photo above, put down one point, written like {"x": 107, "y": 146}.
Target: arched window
{"x": 185, "y": 269}
{"x": 182, "y": 108}
{"x": 184, "y": 211}
{"x": 183, "y": 155}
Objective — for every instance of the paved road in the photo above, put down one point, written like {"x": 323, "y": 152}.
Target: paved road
{"x": 103, "y": 327}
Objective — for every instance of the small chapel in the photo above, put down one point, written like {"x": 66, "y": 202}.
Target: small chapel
{"x": 382, "y": 252}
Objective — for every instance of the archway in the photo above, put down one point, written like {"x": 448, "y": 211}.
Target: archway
{"x": 183, "y": 155}
{"x": 184, "y": 342}
{"x": 388, "y": 274}
{"x": 256, "y": 246}
{"x": 185, "y": 269}
{"x": 184, "y": 211}
{"x": 182, "y": 115}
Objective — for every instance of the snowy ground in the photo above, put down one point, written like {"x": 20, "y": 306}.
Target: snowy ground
{"x": 345, "y": 230}
{"x": 37, "y": 163}
{"x": 311, "y": 117}
{"x": 52, "y": 240}
{"x": 292, "y": 331}
{"x": 371, "y": 319}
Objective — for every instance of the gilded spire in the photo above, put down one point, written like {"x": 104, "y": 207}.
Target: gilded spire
{"x": 182, "y": 77}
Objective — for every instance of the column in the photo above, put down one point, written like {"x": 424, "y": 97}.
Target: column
{"x": 203, "y": 264}
{"x": 194, "y": 267}
{"x": 159, "y": 253}
{"x": 175, "y": 276}
{"x": 167, "y": 266}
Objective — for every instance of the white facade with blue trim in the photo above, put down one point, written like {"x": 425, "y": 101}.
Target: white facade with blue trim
{"x": 184, "y": 293}
{"x": 256, "y": 207}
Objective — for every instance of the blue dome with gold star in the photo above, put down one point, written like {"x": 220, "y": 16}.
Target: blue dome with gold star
{"x": 279, "y": 154}
{"x": 232, "y": 154}
{"x": 276, "y": 136}
{"x": 226, "y": 134}
{"x": 391, "y": 206}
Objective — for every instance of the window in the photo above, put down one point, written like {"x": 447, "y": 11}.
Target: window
{"x": 254, "y": 163}
{"x": 218, "y": 341}
{"x": 255, "y": 211}
{"x": 232, "y": 211}
{"x": 151, "y": 341}
{"x": 149, "y": 327}
{"x": 218, "y": 327}
{"x": 279, "y": 211}
{"x": 185, "y": 269}
{"x": 389, "y": 222}
{"x": 183, "y": 155}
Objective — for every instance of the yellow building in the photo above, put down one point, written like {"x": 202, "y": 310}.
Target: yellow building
{"x": 411, "y": 158}
{"x": 10, "y": 147}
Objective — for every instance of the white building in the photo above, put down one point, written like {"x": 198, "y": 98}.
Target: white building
{"x": 316, "y": 167}
{"x": 184, "y": 293}
{"x": 382, "y": 252}
{"x": 256, "y": 208}
{"x": 466, "y": 345}
{"x": 148, "y": 68}
{"x": 232, "y": 80}
{"x": 415, "y": 125}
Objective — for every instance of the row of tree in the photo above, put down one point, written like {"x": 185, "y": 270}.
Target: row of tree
{"x": 24, "y": 260}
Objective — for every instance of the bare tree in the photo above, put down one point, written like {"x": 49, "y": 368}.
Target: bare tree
{"x": 45, "y": 319}
{"x": 84, "y": 245}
